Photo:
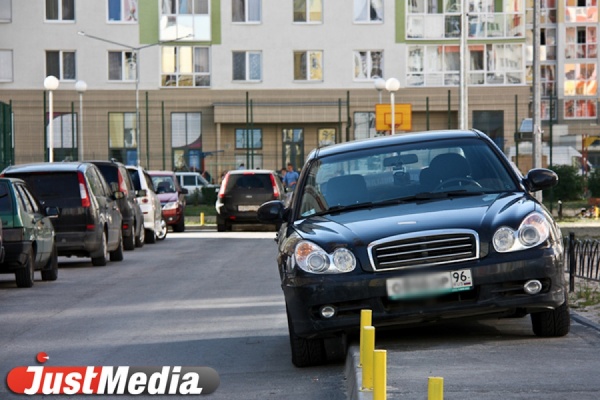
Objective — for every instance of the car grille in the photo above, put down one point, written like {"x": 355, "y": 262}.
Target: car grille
{"x": 424, "y": 249}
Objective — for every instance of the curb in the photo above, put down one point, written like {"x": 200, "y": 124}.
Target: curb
{"x": 584, "y": 321}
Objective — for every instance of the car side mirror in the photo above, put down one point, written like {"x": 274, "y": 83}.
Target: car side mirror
{"x": 142, "y": 193}
{"x": 118, "y": 195}
{"x": 271, "y": 212}
{"x": 540, "y": 179}
{"x": 52, "y": 212}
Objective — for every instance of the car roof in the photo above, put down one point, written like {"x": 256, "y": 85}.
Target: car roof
{"x": 250, "y": 171}
{"x": 160, "y": 172}
{"x": 106, "y": 162}
{"x": 48, "y": 167}
{"x": 384, "y": 141}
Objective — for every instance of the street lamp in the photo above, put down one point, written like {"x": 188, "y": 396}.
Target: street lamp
{"x": 136, "y": 52}
{"x": 392, "y": 85}
{"x": 81, "y": 87}
{"x": 51, "y": 84}
{"x": 379, "y": 85}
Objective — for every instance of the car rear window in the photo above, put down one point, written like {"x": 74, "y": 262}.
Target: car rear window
{"x": 60, "y": 189}
{"x": 249, "y": 181}
{"x": 135, "y": 178}
{"x": 6, "y": 204}
{"x": 109, "y": 172}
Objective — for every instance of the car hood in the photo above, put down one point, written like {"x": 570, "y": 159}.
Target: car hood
{"x": 168, "y": 197}
{"x": 359, "y": 227}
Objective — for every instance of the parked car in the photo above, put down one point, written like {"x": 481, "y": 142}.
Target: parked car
{"x": 28, "y": 234}
{"x": 241, "y": 194}
{"x": 193, "y": 182}
{"x": 418, "y": 228}
{"x": 156, "y": 227}
{"x": 89, "y": 220}
{"x": 172, "y": 198}
{"x": 118, "y": 178}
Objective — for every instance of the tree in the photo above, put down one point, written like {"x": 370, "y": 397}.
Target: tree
{"x": 570, "y": 184}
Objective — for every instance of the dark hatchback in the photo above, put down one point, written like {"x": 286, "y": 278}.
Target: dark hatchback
{"x": 418, "y": 228}
{"x": 28, "y": 234}
{"x": 241, "y": 194}
{"x": 89, "y": 220}
{"x": 118, "y": 178}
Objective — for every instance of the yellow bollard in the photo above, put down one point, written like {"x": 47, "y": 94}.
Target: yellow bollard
{"x": 369, "y": 348}
{"x": 379, "y": 375}
{"x": 596, "y": 211}
{"x": 201, "y": 219}
{"x": 366, "y": 319}
{"x": 435, "y": 390}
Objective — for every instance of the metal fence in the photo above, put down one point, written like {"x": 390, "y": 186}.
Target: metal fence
{"x": 582, "y": 259}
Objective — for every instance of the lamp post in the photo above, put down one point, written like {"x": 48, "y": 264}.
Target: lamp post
{"x": 379, "y": 85}
{"x": 136, "y": 52}
{"x": 51, "y": 84}
{"x": 81, "y": 87}
{"x": 392, "y": 85}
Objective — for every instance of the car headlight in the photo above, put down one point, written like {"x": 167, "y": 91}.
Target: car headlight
{"x": 534, "y": 230}
{"x": 312, "y": 258}
{"x": 170, "y": 206}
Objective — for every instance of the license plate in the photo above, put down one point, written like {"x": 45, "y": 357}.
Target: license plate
{"x": 247, "y": 208}
{"x": 427, "y": 285}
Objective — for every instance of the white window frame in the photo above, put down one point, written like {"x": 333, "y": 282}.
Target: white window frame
{"x": 176, "y": 72}
{"x": 247, "y": 4}
{"x": 307, "y": 13}
{"x": 308, "y": 54}
{"x": 61, "y": 67}
{"x": 247, "y": 66}
{"x": 7, "y": 67}
{"x": 359, "y": 5}
{"x": 124, "y": 64}
{"x": 60, "y": 12}
{"x": 356, "y": 57}
{"x": 6, "y": 5}
{"x": 133, "y": 4}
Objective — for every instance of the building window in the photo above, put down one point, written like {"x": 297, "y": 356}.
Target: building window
{"x": 122, "y": 137}
{"x": 6, "y": 66}
{"x": 308, "y": 65}
{"x": 248, "y": 11}
{"x": 61, "y": 64}
{"x": 121, "y": 66}
{"x": 364, "y": 125}
{"x": 60, "y": 10}
{"x": 186, "y": 141}
{"x": 248, "y": 139}
{"x": 185, "y": 66}
{"x": 64, "y": 134}
{"x": 122, "y": 10}
{"x": 308, "y": 11}
{"x": 247, "y": 66}
{"x": 368, "y": 64}
{"x": 368, "y": 10}
{"x": 185, "y": 20}
{"x": 5, "y": 11}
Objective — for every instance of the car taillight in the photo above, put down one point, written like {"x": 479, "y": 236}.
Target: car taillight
{"x": 83, "y": 192}
{"x": 276, "y": 193}
{"x": 222, "y": 188}
{"x": 122, "y": 185}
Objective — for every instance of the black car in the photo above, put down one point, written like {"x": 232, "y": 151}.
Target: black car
{"x": 241, "y": 194}
{"x": 89, "y": 220}
{"x": 28, "y": 233}
{"x": 118, "y": 178}
{"x": 418, "y": 228}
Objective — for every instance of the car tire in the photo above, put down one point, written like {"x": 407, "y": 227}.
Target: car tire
{"x": 117, "y": 254}
{"x": 179, "y": 226}
{"x": 102, "y": 260}
{"x": 50, "y": 270}
{"x": 140, "y": 239}
{"x": 305, "y": 352}
{"x": 552, "y": 323}
{"x": 150, "y": 236}
{"x": 220, "y": 227}
{"x": 24, "y": 276}
{"x": 164, "y": 229}
{"x": 129, "y": 241}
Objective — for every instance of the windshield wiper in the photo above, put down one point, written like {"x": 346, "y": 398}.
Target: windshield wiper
{"x": 340, "y": 208}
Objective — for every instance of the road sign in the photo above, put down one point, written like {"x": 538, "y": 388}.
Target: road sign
{"x": 403, "y": 118}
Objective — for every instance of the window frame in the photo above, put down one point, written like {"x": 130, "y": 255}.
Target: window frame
{"x": 60, "y": 5}
{"x": 369, "y": 5}
{"x": 8, "y": 7}
{"x": 306, "y": 64}
{"x": 245, "y": 7}
{"x": 247, "y": 65}
{"x": 356, "y": 56}
{"x": 11, "y": 70}
{"x": 122, "y": 12}
{"x": 61, "y": 65}
{"x": 124, "y": 63}
{"x": 174, "y": 76}
{"x": 306, "y": 13}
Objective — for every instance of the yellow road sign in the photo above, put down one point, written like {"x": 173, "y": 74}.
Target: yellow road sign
{"x": 403, "y": 117}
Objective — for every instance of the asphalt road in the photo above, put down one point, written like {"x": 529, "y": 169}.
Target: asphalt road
{"x": 195, "y": 299}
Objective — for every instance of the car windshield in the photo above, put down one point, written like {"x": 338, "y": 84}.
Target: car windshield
{"x": 163, "y": 184}
{"x": 407, "y": 172}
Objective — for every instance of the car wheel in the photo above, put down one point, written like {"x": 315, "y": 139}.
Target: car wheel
{"x": 24, "y": 276}
{"x": 103, "y": 258}
{"x": 220, "y": 227}
{"x": 141, "y": 238}
{"x": 162, "y": 234}
{"x": 180, "y": 226}
{"x": 50, "y": 270}
{"x": 117, "y": 254}
{"x": 305, "y": 352}
{"x": 552, "y": 323}
{"x": 129, "y": 241}
{"x": 150, "y": 236}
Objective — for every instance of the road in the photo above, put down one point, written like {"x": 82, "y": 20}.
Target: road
{"x": 195, "y": 299}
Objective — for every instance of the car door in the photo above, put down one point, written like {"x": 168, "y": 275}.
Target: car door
{"x": 36, "y": 224}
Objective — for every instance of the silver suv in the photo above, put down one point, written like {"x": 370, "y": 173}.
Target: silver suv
{"x": 156, "y": 227}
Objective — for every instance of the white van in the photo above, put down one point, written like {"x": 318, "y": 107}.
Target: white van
{"x": 194, "y": 182}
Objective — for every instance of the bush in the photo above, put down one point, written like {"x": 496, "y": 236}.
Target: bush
{"x": 209, "y": 195}
{"x": 570, "y": 184}
{"x": 594, "y": 183}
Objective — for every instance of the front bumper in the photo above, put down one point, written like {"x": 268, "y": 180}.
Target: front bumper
{"x": 172, "y": 216}
{"x": 497, "y": 291}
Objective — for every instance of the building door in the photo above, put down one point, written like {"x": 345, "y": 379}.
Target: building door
{"x": 293, "y": 147}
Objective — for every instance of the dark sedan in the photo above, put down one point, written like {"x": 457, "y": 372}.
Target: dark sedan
{"x": 418, "y": 228}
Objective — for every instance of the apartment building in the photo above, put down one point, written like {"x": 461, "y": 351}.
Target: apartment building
{"x": 211, "y": 84}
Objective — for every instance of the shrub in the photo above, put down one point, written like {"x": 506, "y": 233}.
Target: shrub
{"x": 209, "y": 195}
{"x": 570, "y": 184}
{"x": 594, "y": 183}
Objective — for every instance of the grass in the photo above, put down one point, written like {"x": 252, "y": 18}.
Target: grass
{"x": 586, "y": 294}
{"x": 192, "y": 210}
